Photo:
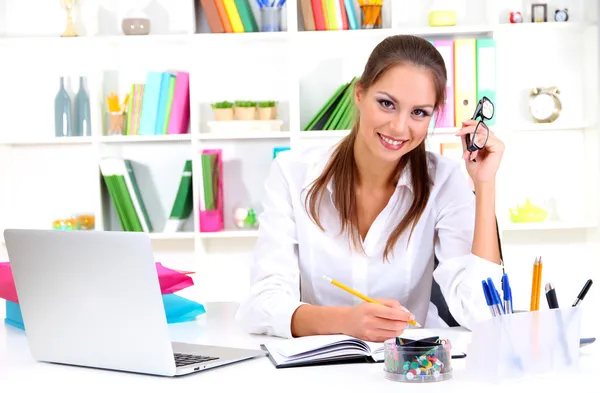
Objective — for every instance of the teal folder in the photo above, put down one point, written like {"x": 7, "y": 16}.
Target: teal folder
{"x": 486, "y": 72}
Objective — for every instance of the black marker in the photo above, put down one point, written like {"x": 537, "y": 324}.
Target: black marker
{"x": 583, "y": 292}
{"x": 551, "y": 296}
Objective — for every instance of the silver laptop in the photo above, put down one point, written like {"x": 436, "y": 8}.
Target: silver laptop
{"x": 92, "y": 298}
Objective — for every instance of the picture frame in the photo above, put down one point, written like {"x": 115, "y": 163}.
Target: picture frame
{"x": 535, "y": 10}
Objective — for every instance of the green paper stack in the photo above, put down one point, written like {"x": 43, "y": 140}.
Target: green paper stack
{"x": 338, "y": 111}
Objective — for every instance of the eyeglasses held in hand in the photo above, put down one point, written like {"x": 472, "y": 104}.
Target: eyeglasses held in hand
{"x": 484, "y": 111}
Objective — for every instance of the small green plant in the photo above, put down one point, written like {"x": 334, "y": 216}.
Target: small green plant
{"x": 245, "y": 104}
{"x": 222, "y": 105}
{"x": 267, "y": 104}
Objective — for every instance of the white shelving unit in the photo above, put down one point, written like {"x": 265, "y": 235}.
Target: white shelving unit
{"x": 43, "y": 177}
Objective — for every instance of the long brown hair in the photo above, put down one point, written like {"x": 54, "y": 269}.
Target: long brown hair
{"x": 341, "y": 168}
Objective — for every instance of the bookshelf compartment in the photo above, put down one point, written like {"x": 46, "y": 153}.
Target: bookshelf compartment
{"x": 539, "y": 167}
{"x": 265, "y": 78}
{"x": 94, "y": 18}
{"x": 245, "y": 169}
{"x": 576, "y": 11}
{"x": 203, "y": 26}
{"x": 527, "y": 69}
{"x": 409, "y": 14}
{"x": 348, "y": 19}
{"x": 63, "y": 186}
{"x": 158, "y": 90}
{"x": 158, "y": 168}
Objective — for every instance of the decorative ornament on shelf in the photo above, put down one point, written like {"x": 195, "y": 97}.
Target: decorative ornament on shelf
{"x": 63, "y": 113}
{"x": 544, "y": 104}
{"x": 439, "y": 18}
{"x": 83, "y": 125}
{"x": 223, "y": 110}
{"x": 245, "y": 218}
{"x": 516, "y": 17}
{"x": 535, "y": 16}
{"x": 561, "y": 15}
{"x": 136, "y": 22}
{"x": 68, "y": 6}
{"x": 528, "y": 213}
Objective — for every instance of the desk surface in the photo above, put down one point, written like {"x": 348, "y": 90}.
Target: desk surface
{"x": 20, "y": 372}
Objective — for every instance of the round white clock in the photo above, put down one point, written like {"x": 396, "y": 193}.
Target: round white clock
{"x": 545, "y": 105}
{"x": 561, "y": 15}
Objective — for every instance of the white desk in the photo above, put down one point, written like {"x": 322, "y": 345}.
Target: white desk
{"x": 19, "y": 372}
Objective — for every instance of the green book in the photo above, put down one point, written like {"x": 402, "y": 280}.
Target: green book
{"x": 136, "y": 196}
{"x": 183, "y": 205}
{"x": 111, "y": 187}
{"x": 209, "y": 180}
{"x": 114, "y": 174}
{"x": 125, "y": 200}
{"x": 130, "y": 109}
{"x": 322, "y": 112}
{"x": 246, "y": 15}
{"x": 170, "y": 94}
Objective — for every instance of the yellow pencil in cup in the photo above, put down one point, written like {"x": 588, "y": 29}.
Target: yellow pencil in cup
{"x": 361, "y": 296}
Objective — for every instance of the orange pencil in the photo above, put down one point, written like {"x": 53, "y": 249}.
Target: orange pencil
{"x": 361, "y": 296}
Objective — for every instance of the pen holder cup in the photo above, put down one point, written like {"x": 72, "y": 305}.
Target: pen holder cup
{"x": 418, "y": 364}
{"x": 211, "y": 220}
{"x": 270, "y": 19}
{"x": 117, "y": 123}
{"x": 520, "y": 344}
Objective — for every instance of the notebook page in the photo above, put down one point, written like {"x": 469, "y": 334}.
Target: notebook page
{"x": 295, "y": 346}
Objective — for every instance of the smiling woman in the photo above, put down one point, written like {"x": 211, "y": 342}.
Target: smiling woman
{"x": 374, "y": 212}
{"x": 403, "y": 83}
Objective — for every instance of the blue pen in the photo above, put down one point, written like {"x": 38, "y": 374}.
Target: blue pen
{"x": 281, "y": 3}
{"x": 496, "y": 301}
{"x": 488, "y": 298}
{"x": 507, "y": 295}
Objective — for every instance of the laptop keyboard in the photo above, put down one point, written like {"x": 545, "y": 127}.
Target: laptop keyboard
{"x": 185, "y": 359}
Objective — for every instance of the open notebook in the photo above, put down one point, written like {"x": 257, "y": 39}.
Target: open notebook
{"x": 317, "y": 350}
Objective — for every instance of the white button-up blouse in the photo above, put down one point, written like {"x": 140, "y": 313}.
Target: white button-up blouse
{"x": 292, "y": 253}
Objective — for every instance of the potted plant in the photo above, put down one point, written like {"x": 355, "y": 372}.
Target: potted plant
{"x": 223, "y": 110}
{"x": 245, "y": 110}
{"x": 267, "y": 110}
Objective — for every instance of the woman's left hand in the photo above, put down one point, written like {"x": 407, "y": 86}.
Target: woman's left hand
{"x": 482, "y": 165}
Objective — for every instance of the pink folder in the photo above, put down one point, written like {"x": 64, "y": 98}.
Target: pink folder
{"x": 446, "y": 116}
{"x": 213, "y": 220}
{"x": 170, "y": 281}
{"x": 180, "y": 109}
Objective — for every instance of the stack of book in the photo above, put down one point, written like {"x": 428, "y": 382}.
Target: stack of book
{"x": 339, "y": 14}
{"x": 229, "y": 16}
{"x": 338, "y": 111}
{"x": 129, "y": 205}
{"x": 161, "y": 105}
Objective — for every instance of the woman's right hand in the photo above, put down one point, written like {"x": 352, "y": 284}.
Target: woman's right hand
{"x": 375, "y": 322}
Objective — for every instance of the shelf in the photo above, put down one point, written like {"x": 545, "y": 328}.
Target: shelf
{"x": 206, "y": 38}
{"x": 324, "y": 134}
{"x": 528, "y": 27}
{"x": 209, "y": 38}
{"x": 172, "y": 236}
{"x": 550, "y": 225}
{"x": 422, "y": 31}
{"x": 145, "y": 138}
{"x": 236, "y": 135}
{"x": 541, "y": 127}
{"x": 231, "y": 234}
{"x": 71, "y": 140}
